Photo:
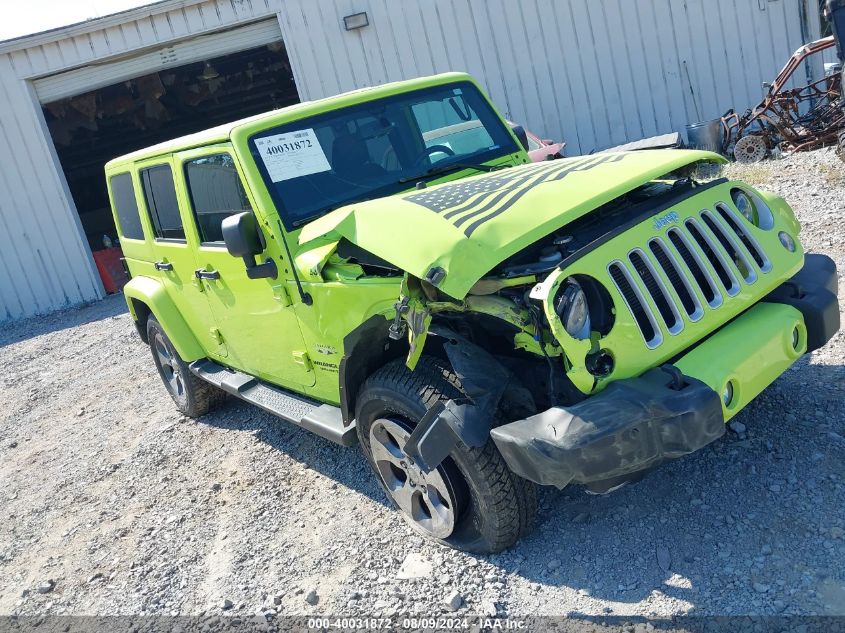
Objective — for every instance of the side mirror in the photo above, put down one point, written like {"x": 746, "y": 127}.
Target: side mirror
{"x": 521, "y": 134}
{"x": 243, "y": 239}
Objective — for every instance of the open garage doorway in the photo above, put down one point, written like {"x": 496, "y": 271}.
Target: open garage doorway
{"x": 91, "y": 128}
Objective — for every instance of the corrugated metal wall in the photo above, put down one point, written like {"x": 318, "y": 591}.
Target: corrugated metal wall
{"x": 593, "y": 72}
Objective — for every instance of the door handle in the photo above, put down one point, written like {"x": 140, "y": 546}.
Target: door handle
{"x": 163, "y": 266}
{"x": 202, "y": 273}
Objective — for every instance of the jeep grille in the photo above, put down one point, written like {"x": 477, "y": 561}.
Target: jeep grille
{"x": 702, "y": 262}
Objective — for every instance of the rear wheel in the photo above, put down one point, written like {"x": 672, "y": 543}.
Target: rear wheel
{"x": 472, "y": 501}
{"x": 193, "y": 396}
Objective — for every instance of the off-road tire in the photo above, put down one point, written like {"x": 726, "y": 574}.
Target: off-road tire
{"x": 194, "y": 397}
{"x": 499, "y": 507}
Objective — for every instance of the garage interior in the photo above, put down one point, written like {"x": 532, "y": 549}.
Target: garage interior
{"x": 90, "y": 129}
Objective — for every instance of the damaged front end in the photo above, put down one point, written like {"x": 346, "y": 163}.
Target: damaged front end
{"x": 616, "y": 436}
{"x": 656, "y": 319}
{"x": 484, "y": 377}
{"x": 529, "y": 333}
{"x": 597, "y": 330}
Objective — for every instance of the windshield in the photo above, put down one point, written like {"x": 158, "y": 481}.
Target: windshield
{"x": 370, "y": 150}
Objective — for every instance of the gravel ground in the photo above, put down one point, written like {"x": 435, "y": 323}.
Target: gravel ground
{"x": 114, "y": 503}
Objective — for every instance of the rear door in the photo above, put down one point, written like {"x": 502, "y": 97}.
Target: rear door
{"x": 254, "y": 317}
{"x": 173, "y": 255}
{"x": 134, "y": 242}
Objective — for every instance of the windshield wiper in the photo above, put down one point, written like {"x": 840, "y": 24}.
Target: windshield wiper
{"x": 311, "y": 217}
{"x": 327, "y": 210}
{"x": 445, "y": 169}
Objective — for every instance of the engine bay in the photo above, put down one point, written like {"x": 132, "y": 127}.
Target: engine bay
{"x": 581, "y": 235}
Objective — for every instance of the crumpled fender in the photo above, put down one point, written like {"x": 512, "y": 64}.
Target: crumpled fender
{"x": 468, "y": 419}
{"x": 152, "y": 293}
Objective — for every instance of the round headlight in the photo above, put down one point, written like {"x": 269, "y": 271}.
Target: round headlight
{"x": 745, "y": 205}
{"x": 753, "y": 209}
{"x": 572, "y": 308}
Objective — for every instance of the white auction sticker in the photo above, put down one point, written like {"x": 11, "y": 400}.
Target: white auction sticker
{"x": 292, "y": 154}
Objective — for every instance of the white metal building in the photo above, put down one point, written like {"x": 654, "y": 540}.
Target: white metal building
{"x": 595, "y": 73}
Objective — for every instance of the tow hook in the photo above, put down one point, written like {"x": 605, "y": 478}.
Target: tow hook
{"x": 399, "y": 326}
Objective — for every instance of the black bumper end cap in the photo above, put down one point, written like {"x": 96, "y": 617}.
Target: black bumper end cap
{"x": 813, "y": 292}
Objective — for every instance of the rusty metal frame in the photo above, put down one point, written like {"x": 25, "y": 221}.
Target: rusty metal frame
{"x": 796, "y": 119}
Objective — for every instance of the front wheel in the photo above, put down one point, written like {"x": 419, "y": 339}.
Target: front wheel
{"x": 472, "y": 501}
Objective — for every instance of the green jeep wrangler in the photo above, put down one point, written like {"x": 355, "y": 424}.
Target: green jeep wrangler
{"x": 386, "y": 267}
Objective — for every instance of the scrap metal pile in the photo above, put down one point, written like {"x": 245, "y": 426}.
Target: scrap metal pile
{"x": 790, "y": 119}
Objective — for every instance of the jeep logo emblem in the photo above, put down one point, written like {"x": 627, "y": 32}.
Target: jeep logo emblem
{"x": 669, "y": 218}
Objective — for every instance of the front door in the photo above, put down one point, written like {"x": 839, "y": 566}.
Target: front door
{"x": 254, "y": 317}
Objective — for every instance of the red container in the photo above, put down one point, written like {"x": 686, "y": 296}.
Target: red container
{"x": 110, "y": 269}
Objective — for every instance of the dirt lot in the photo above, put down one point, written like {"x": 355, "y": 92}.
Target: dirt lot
{"x": 113, "y": 503}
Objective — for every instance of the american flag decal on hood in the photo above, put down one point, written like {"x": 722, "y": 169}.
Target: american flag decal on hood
{"x": 470, "y": 203}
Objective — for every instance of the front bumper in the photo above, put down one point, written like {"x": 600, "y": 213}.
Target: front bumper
{"x": 639, "y": 423}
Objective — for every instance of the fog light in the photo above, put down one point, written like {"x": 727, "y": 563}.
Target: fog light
{"x": 787, "y": 241}
{"x": 728, "y": 394}
{"x": 600, "y": 363}
{"x": 796, "y": 339}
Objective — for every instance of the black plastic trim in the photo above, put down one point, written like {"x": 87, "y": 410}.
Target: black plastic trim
{"x": 813, "y": 291}
{"x": 613, "y": 437}
{"x": 321, "y": 419}
{"x": 468, "y": 419}
{"x": 365, "y": 349}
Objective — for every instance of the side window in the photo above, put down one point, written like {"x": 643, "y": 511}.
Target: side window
{"x": 216, "y": 193}
{"x": 160, "y": 194}
{"x": 126, "y": 207}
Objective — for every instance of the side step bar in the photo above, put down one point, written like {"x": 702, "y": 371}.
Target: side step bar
{"x": 322, "y": 419}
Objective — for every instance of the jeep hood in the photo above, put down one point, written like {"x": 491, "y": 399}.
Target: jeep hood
{"x": 466, "y": 227}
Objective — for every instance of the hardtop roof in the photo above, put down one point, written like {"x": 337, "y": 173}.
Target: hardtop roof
{"x": 222, "y": 133}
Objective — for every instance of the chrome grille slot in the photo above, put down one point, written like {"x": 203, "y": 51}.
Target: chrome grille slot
{"x": 636, "y": 303}
{"x": 732, "y": 246}
{"x": 657, "y": 290}
{"x": 697, "y": 264}
{"x": 699, "y": 271}
{"x": 715, "y": 256}
{"x": 678, "y": 278}
{"x": 745, "y": 236}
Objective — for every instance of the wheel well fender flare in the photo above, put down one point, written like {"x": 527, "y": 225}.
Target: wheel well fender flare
{"x": 145, "y": 296}
{"x": 365, "y": 349}
{"x": 469, "y": 419}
